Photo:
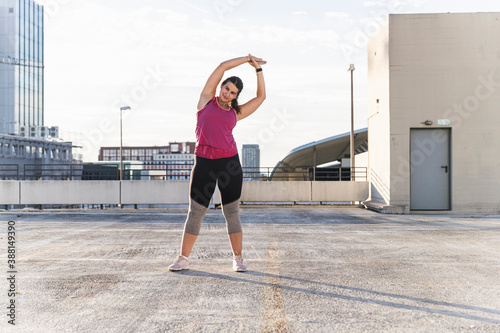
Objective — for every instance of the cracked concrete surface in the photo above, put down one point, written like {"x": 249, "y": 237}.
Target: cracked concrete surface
{"x": 310, "y": 269}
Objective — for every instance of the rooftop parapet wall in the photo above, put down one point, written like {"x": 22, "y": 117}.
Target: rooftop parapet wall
{"x": 169, "y": 192}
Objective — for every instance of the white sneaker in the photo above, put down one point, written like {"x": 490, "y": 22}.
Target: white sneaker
{"x": 238, "y": 265}
{"x": 179, "y": 264}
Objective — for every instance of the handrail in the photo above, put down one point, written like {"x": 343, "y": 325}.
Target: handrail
{"x": 9, "y": 172}
{"x": 171, "y": 171}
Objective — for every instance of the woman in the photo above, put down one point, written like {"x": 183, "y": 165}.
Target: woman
{"x": 217, "y": 157}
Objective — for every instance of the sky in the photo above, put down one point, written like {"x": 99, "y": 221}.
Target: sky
{"x": 155, "y": 56}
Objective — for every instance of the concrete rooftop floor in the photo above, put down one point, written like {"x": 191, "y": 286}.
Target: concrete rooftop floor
{"x": 310, "y": 269}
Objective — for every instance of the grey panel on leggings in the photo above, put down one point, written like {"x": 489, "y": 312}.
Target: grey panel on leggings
{"x": 196, "y": 214}
{"x": 232, "y": 216}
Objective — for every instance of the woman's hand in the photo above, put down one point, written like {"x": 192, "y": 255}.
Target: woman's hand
{"x": 255, "y": 62}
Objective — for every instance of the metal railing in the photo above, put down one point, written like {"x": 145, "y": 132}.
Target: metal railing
{"x": 9, "y": 172}
{"x": 175, "y": 171}
{"x": 52, "y": 171}
{"x": 305, "y": 173}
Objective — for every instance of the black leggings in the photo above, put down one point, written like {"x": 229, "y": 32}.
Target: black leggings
{"x": 225, "y": 171}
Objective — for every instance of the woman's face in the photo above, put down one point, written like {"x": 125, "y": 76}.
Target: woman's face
{"x": 228, "y": 92}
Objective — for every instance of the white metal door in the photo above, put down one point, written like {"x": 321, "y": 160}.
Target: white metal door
{"x": 430, "y": 169}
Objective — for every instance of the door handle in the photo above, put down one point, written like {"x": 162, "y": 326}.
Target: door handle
{"x": 445, "y": 168}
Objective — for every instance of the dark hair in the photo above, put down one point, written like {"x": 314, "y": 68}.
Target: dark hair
{"x": 239, "y": 85}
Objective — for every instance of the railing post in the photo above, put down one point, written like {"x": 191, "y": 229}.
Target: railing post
{"x": 314, "y": 164}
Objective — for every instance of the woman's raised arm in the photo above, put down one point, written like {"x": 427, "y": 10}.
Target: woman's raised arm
{"x": 249, "y": 107}
{"x": 208, "y": 92}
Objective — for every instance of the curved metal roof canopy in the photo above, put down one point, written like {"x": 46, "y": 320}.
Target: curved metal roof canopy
{"x": 323, "y": 151}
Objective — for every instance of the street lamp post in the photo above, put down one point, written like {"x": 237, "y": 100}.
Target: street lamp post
{"x": 121, "y": 141}
{"x": 121, "y": 158}
{"x": 351, "y": 69}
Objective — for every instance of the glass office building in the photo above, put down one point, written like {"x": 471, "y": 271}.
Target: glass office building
{"x": 21, "y": 65}
{"x": 251, "y": 162}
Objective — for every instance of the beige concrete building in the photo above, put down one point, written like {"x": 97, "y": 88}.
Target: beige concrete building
{"x": 434, "y": 113}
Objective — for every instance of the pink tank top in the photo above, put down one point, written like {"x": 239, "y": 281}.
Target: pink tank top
{"x": 214, "y": 131}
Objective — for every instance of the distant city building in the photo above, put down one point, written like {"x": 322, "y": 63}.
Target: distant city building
{"x": 24, "y": 138}
{"x": 144, "y": 153}
{"x": 173, "y": 166}
{"x": 21, "y": 66}
{"x": 172, "y": 162}
{"x": 251, "y": 162}
{"x": 98, "y": 171}
{"x": 29, "y": 159}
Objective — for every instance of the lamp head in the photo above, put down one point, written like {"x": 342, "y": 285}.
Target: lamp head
{"x": 123, "y": 108}
{"x": 351, "y": 67}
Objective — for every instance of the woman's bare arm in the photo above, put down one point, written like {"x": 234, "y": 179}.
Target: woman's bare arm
{"x": 208, "y": 92}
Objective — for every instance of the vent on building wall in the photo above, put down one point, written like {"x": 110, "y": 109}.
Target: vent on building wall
{"x": 11, "y": 10}
{"x": 54, "y": 131}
